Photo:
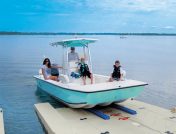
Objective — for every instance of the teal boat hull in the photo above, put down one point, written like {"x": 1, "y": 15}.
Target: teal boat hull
{"x": 77, "y": 99}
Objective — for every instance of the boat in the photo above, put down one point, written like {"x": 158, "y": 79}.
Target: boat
{"x": 71, "y": 91}
{"x": 123, "y": 37}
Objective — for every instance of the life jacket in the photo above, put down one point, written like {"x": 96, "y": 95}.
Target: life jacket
{"x": 83, "y": 68}
{"x": 116, "y": 73}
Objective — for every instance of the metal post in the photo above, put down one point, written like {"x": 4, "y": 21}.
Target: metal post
{"x": 84, "y": 50}
{"x": 67, "y": 64}
{"x": 63, "y": 60}
{"x": 90, "y": 61}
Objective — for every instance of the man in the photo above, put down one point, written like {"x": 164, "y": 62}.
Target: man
{"x": 73, "y": 56}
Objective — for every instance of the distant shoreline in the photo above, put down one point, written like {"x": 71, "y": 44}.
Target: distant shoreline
{"x": 65, "y": 33}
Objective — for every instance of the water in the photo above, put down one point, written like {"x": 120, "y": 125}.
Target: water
{"x": 147, "y": 58}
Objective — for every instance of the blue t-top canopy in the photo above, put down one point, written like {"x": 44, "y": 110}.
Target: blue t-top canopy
{"x": 77, "y": 42}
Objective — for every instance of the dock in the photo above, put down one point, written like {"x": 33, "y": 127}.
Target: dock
{"x": 1, "y": 122}
{"x": 149, "y": 119}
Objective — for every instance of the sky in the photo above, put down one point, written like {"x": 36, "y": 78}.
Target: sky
{"x": 121, "y": 16}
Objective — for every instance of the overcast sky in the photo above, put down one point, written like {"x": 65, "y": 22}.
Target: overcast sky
{"x": 88, "y": 16}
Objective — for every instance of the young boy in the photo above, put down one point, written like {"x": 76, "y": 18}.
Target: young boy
{"x": 117, "y": 72}
{"x": 84, "y": 71}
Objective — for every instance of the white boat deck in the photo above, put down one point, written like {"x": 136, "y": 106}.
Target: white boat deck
{"x": 106, "y": 85}
{"x": 101, "y": 85}
{"x": 1, "y": 122}
{"x": 148, "y": 120}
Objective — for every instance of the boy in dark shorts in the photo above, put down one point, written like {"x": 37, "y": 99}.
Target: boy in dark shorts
{"x": 84, "y": 71}
{"x": 117, "y": 72}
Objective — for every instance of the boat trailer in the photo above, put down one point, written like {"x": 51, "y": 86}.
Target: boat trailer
{"x": 105, "y": 116}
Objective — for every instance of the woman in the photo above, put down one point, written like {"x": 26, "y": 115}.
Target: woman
{"x": 46, "y": 70}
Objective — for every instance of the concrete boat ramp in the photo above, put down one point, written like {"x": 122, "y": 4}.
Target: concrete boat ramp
{"x": 148, "y": 120}
{"x": 1, "y": 122}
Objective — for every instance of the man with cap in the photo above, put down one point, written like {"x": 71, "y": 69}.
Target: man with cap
{"x": 73, "y": 56}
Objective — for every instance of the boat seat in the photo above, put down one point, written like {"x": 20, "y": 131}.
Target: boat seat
{"x": 123, "y": 74}
{"x": 64, "y": 78}
{"x": 73, "y": 66}
{"x": 40, "y": 72}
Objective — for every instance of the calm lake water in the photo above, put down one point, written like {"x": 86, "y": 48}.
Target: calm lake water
{"x": 147, "y": 58}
